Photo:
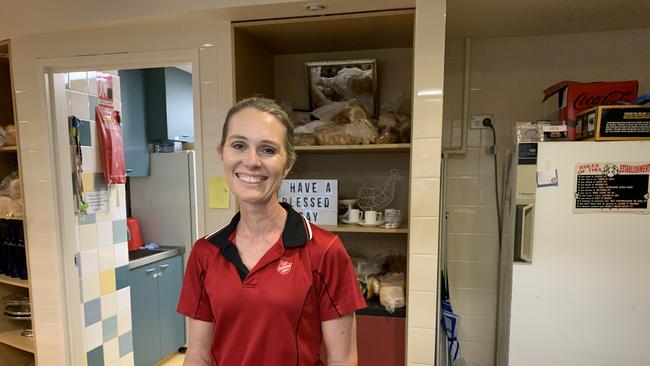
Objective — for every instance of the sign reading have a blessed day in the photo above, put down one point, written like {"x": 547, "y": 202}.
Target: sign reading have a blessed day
{"x": 317, "y": 199}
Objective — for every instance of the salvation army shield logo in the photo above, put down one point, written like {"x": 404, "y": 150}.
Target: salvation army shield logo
{"x": 284, "y": 267}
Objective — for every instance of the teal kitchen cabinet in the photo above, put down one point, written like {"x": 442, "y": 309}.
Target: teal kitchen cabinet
{"x": 169, "y": 106}
{"x": 134, "y": 127}
{"x": 158, "y": 331}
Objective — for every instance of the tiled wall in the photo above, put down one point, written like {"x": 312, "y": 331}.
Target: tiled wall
{"x": 506, "y": 80}
{"x": 425, "y": 180}
{"x": 102, "y": 239}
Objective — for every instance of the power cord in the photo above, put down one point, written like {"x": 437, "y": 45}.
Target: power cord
{"x": 487, "y": 122}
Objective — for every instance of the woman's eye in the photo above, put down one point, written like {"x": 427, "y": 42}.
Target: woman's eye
{"x": 238, "y": 146}
{"x": 268, "y": 151}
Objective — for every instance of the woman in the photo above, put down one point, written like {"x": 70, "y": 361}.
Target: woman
{"x": 269, "y": 288}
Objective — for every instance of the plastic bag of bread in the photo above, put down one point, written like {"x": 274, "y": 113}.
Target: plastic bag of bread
{"x": 10, "y": 207}
{"x": 309, "y": 127}
{"x": 391, "y": 291}
{"x": 353, "y": 112}
{"x": 388, "y": 136}
{"x": 11, "y": 135}
{"x": 327, "y": 112}
{"x": 305, "y": 139}
{"x": 404, "y": 127}
{"x": 10, "y": 187}
{"x": 388, "y": 120}
{"x": 3, "y": 137}
{"x": 354, "y": 133}
{"x": 352, "y": 82}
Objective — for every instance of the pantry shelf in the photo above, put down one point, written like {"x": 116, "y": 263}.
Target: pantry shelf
{"x": 14, "y": 281}
{"x": 8, "y": 148}
{"x": 10, "y": 218}
{"x": 14, "y": 339}
{"x": 326, "y": 149}
{"x": 346, "y": 228}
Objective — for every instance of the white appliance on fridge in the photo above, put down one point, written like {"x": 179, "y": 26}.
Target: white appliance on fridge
{"x": 165, "y": 201}
{"x": 582, "y": 297}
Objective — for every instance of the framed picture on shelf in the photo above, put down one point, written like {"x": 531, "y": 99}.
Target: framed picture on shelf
{"x": 336, "y": 81}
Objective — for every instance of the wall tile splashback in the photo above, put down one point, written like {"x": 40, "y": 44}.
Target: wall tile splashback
{"x": 105, "y": 291}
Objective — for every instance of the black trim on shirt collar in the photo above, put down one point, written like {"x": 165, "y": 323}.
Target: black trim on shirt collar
{"x": 295, "y": 234}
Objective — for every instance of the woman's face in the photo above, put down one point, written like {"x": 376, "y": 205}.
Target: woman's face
{"x": 254, "y": 157}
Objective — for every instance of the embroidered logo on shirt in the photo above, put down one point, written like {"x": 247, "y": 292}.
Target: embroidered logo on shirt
{"x": 284, "y": 267}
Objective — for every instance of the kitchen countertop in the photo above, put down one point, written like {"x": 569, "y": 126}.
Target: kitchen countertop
{"x": 142, "y": 257}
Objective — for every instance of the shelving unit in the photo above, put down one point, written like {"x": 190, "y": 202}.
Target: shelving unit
{"x": 14, "y": 281}
{"x": 15, "y": 349}
{"x": 14, "y": 339}
{"x": 350, "y": 228}
{"x": 269, "y": 59}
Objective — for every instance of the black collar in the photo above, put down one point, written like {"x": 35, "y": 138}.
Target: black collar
{"x": 295, "y": 234}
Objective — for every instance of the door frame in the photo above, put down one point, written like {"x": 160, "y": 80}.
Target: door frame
{"x": 51, "y": 69}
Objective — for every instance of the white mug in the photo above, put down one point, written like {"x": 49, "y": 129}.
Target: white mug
{"x": 393, "y": 218}
{"x": 355, "y": 215}
{"x": 372, "y": 217}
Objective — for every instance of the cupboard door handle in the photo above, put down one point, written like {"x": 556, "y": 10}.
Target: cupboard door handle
{"x": 150, "y": 272}
{"x": 157, "y": 274}
{"x": 129, "y": 170}
{"x": 164, "y": 267}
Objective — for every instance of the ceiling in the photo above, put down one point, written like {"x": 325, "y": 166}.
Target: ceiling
{"x": 474, "y": 18}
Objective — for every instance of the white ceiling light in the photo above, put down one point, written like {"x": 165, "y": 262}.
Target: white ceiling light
{"x": 315, "y": 7}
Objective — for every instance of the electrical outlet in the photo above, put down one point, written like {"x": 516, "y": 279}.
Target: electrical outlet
{"x": 477, "y": 120}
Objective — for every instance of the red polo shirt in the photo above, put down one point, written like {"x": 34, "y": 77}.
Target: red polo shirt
{"x": 272, "y": 314}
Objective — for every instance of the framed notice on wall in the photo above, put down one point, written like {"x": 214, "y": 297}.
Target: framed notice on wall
{"x": 612, "y": 187}
{"x": 316, "y": 199}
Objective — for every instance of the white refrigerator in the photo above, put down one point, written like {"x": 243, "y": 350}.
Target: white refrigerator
{"x": 165, "y": 201}
{"x": 584, "y": 296}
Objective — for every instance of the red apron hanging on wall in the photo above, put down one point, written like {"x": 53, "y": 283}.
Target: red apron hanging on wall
{"x": 109, "y": 132}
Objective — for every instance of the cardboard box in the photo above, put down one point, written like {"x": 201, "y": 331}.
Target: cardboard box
{"x": 614, "y": 123}
{"x": 574, "y": 97}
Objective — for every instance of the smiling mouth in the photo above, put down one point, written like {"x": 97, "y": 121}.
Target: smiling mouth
{"x": 250, "y": 179}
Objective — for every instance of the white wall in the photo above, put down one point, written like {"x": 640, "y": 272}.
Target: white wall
{"x": 507, "y": 78}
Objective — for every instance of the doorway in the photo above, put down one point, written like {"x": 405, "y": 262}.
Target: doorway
{"x": 98, "y": 276}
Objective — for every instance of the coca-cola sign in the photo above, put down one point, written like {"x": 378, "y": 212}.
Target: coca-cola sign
{"x": 584, "y": 100}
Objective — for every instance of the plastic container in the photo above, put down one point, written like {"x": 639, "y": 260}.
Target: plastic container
{"x": 134, "y": 235}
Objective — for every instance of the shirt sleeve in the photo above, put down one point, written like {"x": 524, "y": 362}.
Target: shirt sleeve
{"x": 338, "y": 290}
{"x": 194, "y": 301}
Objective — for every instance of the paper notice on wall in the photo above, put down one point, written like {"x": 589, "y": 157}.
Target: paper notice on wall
{"x": 547, "y": 178}
{"x": 97, "y": 201}
{"x": 612, "y": 187}
{"x": 219, "y": 195}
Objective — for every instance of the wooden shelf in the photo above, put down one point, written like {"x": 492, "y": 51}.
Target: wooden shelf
{"x": 14, "y": 339}
{"x": 346, "y": 228}
{"x": 8, "y": 148}
{"x": 14, "y": 281}
{"x": 325, "y": 149}
{"x": 11, "y": 218}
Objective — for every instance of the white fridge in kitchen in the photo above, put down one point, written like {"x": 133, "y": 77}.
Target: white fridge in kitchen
{"x": 165, "y": 201}
{"x": 580, "y": 293}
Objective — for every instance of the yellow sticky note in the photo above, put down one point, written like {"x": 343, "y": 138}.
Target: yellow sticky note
{"x": 88, "y": 180}
{"x": 219, "y": 195}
